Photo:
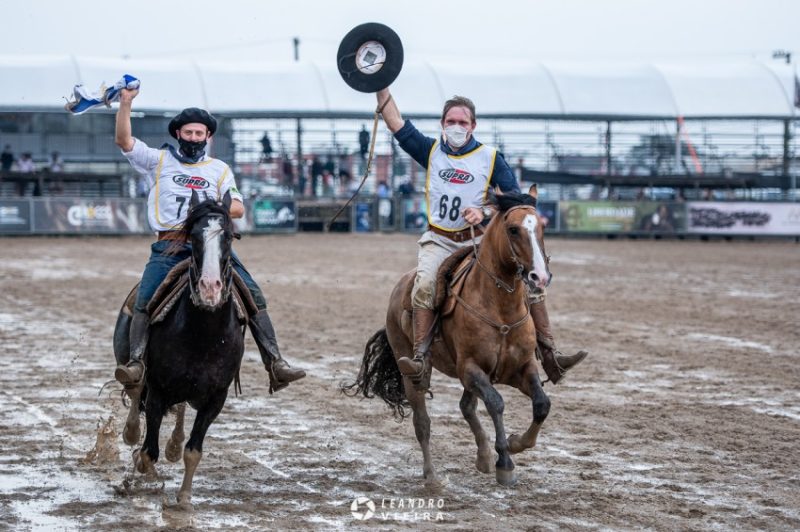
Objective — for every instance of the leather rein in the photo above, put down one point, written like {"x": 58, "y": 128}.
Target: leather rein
{"x": 504, "y": 328}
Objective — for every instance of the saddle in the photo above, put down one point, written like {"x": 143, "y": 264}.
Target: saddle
{"x": 449, "y": 282}
{"x": 173, "y": 286}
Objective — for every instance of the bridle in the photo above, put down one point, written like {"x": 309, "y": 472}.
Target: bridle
{"x": 499, "y": 283}
{"x": 520, "y": 268}
{"x": 226, "y": 274}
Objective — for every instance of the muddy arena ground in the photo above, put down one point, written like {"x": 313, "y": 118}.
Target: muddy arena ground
{"x": 686, "y": 415}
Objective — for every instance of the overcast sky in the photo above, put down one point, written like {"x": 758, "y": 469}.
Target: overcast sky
{"x": 537, "y": 30}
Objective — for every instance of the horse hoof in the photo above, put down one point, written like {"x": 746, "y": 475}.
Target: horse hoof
{"x": 131, "y": 434}
{"x": 515, "y": 444}
{"x": 138, "y": 463}
{"x": 173, "y": 451}
{"x": 185, "y": 501}
{"x": 484, "y": 465}
{"x": 506, "y": 477}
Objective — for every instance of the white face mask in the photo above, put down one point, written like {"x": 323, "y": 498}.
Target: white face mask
{"x": 456, "y": 135}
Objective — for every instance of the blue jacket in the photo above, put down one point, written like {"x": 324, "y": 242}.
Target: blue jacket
{"x": 418, "y": 146}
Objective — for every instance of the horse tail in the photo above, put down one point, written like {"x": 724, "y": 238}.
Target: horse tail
{"x": 379, "y": 375}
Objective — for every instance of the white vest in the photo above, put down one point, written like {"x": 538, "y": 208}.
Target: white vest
{"x": 169, "y": 197}
{"x": 456, "y": 182}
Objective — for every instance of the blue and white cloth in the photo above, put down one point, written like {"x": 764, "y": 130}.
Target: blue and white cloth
{"x": 82, "y": 100}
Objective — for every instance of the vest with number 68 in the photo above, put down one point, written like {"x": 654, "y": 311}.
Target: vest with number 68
{"x": 455, "y": 182}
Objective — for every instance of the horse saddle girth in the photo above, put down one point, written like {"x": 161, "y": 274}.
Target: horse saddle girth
{"x": 449, "y": 282}
{"x": 173, "y": 286}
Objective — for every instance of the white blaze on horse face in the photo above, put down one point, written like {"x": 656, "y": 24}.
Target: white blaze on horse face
{"x": 539, "y": 266}
{"x": 210, "y": 284}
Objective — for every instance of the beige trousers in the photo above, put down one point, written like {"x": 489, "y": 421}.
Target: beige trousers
{"x": 433, "y": 250}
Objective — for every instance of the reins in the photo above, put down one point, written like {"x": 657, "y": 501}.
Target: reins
{"x": 499, "y": 283}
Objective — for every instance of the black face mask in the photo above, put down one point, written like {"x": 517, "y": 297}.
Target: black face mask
{"x": 192, "y": 150}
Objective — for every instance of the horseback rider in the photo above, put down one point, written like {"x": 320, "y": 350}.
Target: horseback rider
{"x": 173, "y": 175}
{"x": 460, "y": 171}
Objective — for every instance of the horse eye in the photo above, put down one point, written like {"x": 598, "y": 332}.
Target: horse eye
{"x": 513, "y": 230}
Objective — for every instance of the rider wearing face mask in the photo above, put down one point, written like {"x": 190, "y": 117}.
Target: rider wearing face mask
{"x": 172, "y": 175}
{"x": 460, "y": 171}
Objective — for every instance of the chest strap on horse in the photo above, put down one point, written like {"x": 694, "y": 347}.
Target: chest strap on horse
{"x": 502, "y": 327}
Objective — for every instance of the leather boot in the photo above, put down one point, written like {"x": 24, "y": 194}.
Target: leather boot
{"x": 554, "y": 363}
{"x": 419, "y": 368}
{"x": 280, "y": 374}
{"x": 131, "y": 374}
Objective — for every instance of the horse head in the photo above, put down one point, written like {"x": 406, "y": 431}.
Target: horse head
{"x": 210, "y": 230}
{"x": 522, "y": 247}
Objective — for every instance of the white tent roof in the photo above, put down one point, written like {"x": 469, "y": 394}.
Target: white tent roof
{"x": 732, "y": 89}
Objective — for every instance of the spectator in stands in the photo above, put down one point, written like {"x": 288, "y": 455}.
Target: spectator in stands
{"x": 382, "y": 189}
{"x": 266, "y": 148}
{"x": 25, "y": 165}
{"x": 56, "y": 163}
{"x": 168, "y": 204}
{"x": 406, "y": 188}
{"x": 316, "y": 176}
{"x": 6, "y": 158}
{"x": 56, "y": 166}
{"x": 363, "y": 141}
{"x": 461, "y": 170}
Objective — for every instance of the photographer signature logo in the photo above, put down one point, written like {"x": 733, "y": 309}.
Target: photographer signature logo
{"x": 362, "y": 508}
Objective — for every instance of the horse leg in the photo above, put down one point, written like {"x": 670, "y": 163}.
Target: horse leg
{"x": 422, "y": 428}
{"x": 132, "y": 432}
{"x": 145, "y": 458}
{"x": 193, "y": 452}
{"x": 532, "y": 387}
{"x": 468, "y": 403}
{"x": 175, "y": 444}
{"x": 476, "y": 381}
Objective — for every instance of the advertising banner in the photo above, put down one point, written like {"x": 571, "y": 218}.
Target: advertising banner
{"x": 415, "y": 217}
{"x": 89, "y": 216}
{"x": 15, "y": 216}
{"x": 362, "y": 216}
{"x": 273, "y": 215}
{"x": 622, "y": 216}
{"x": 744, "y": 218}
{"x": 548, "y": 211}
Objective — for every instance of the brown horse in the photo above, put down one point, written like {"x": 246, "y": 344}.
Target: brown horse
{"x": 487, "y": 339}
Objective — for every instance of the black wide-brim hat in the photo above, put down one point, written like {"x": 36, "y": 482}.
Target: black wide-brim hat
{"x": 370, "y": 57}
{"x": 192, "y": 115}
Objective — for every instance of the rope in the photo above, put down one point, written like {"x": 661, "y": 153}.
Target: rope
{"x": 378, "y": 112}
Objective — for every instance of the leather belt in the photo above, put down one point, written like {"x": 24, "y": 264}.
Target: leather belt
{"x": 171, "y": 235}
{"x": 457, "y": 236}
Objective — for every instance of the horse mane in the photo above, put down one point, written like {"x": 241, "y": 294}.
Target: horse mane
{"x": 195, "y": 214}
{"x": 507, "y": 200}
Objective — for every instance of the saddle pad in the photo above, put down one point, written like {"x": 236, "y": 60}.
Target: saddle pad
{"x": 453, "y": 268}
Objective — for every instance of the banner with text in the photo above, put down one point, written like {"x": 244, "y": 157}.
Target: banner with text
{"x": 622, "y": 217}
{"x": 744, "y": 218}
{"x": 90, "y": 216}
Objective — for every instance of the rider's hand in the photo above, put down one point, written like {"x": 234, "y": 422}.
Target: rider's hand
{"x": 473, "y": 215}
{"x": 127, "y": 95}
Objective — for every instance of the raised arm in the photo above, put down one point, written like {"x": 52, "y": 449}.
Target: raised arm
{"x": 391, "y": 114}
{"x": 123, "y": 136}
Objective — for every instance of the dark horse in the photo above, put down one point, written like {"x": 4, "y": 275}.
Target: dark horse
{"x": 194, "y": 353}
{"x": 487, "y": 339}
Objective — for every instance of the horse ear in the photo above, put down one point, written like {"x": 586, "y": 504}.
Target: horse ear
{"x": 227, "y": 200}
{"x": 533, "y": 191}
{"x": 195, "y": 199}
